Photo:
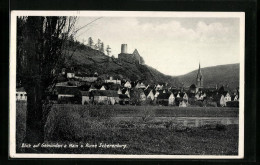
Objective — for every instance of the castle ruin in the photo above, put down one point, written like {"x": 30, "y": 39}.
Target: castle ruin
{"x": 134, "y": 57}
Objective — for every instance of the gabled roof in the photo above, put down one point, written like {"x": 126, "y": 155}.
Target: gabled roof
{"x": 123, "y": 96}
{"x": 111, "y": 93}
{"x": 98, "y": 93}
{"x": 21, "y": 89}
{"x": 163, "y": 96}
{"x": 67, "y": 90}
{"x": 147, "y": 91}
{"x": 193, "y": 86}
{"x": 108, "y": 93}
{"x": 84, "y": 93}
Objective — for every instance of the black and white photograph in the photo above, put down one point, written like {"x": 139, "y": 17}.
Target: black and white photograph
{"x": 127, "y": 84}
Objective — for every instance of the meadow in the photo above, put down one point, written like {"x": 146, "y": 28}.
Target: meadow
{"x": 142, "y": 134}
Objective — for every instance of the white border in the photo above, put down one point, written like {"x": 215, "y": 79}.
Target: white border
{"x": 12, "y": 79}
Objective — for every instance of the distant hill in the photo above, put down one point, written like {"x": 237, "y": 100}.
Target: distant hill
{"x": 89, "y": 60}
{"x": 221, "y": 75}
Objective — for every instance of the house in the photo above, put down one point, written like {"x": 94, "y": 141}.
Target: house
{"x": 184, "y": 96}
{"x": 110, "y": 80}
{"x": 123, "y": 99}
{"x": 225, "y": 97}
{"x": 183, "y": 103}
{"x": 86, "y": 78}
{"x": 119, "y": 91}
{"x": 86, "y": 98}
{"x": 159, "y": 87}
{"x": 156, "y": 94}
{"x": 140, "y": 86}
{"x": 21, "y": 95}
{"x": 236, "y": 98}
{"x": 102, "y": 88}
{"x": 193, "y": 88}
{"x": 63, "y": 71}
{"x": 99, "y": 97}
{"x": 127, "y": 85}
{"x": 71, "y": 73}
{"x": 163, "y": 99}
{"x": 222, "y": 101}
{"x": 67, "y": 94}
{"x": 150, "y": 95}
{"x": 92, "y": 88}
{"x": 62, "y": 83}
{"x": 171, "y": 100}
{"x": 112, "y": 97}
{"x": 127, "y": 93}
{"x": 142, "y": 95}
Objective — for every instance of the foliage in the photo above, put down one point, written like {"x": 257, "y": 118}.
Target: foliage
{"x": 41, "y": 44}
{"x": 146, "y": 114}
{"x": 72, "y": 124}
{"x": 135, "y": 96}
{"x": 232, "y": 104}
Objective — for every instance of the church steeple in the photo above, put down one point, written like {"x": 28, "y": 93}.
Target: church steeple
{"x": 199, "y": 78}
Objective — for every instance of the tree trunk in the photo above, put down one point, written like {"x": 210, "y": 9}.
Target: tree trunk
{"x": 34, "y": 123}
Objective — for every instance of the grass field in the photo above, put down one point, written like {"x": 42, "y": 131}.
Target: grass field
{"x": 80, "y": 125}
{"x": 157, "y": 111}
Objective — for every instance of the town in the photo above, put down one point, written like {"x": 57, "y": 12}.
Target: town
{"x": 76, "y": 87}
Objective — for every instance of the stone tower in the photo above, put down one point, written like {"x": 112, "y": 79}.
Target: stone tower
{"x": 124, "y": 48}
{"x": 199, "y": 78}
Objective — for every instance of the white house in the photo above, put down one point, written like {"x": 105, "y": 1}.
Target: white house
{"x": 111, "y": 80}
{"x": 151, "y": 95}
{"x": 21, "y": 95}
{"x": 119, "y": 91}
{"x": 185, "y": 97}
{"x": 71, "y": 73}
{"x": 85, "y": 97}
{"x": 227, "y": 97}
{"x": 66, "y": 91}
{"x": 127, "y": 93}
{"x": 158, "y": 87}
{"x": 140, "y": 86}
{"x": 224, "y": 99}
{"x": 127, "y": 85}
{"x": 236, "y": 98}
{"x": 142, "y": 96}
{"x": 183, "y": 103}
{"x": 171, "y": 99}
{"x": 156, "y": 94}
{"x": 103, "y": 88}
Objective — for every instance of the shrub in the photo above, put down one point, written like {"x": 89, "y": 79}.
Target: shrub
{"x": 146, "y": 114}
{"x": 232, "y": 104}
{"x": 211, "y": 104}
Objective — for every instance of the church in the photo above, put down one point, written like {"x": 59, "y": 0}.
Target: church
{"x": 199, "y": 82}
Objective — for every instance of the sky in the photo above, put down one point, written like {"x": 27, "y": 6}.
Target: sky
{"x": 173, "y": 46}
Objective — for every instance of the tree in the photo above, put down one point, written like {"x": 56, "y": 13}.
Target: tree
{"x": 90, "y": 42}
{"x": 41, "y": 48}
{"x": 135, "y": 96}
{"x": 102, "y": 47}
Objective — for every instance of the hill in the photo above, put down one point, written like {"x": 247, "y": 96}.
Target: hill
{"x": 88, "y": 60}
{"x": 220, "y": 75}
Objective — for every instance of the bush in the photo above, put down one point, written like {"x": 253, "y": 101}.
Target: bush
{"x": 211, "y": 104}
{"x": 146, "y": 114}
{"x": 232, "y": 104}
